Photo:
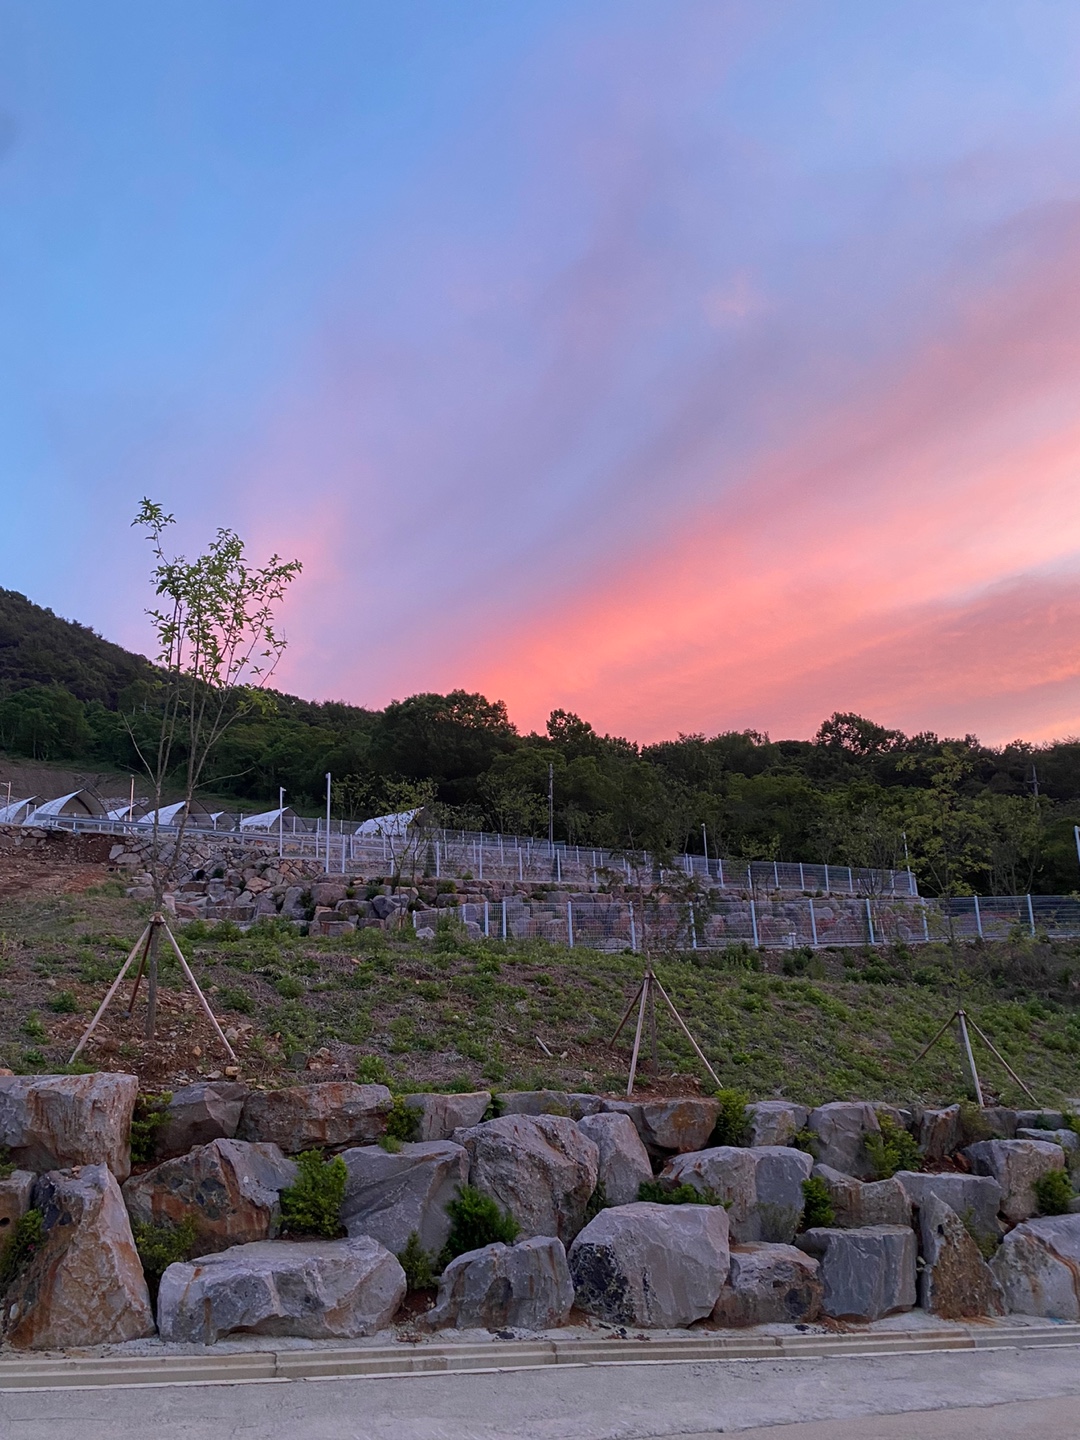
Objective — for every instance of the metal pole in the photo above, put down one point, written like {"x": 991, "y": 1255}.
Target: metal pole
{"x": 869, "y": 920}
{"x": 705, "y": 847}
{"x": 813, "y": 922}
{"x": 551, "y": 804}
{"x": 1076, "y": 837}
{"x": 693, "y": 929}
{"x": 753, "y": 922}
{"x": 328, "y": 822}
{"x": 504, "y": 918}
{"x": 633, "y": 929}
{"x": 570, "y": 921}
{"x": 281, "y": 821}
{"x": 978, "y": 917}
{"x": 966, "y": 1039}
{"x": 487, "y": 919}
{"x": 1031, "y": 916}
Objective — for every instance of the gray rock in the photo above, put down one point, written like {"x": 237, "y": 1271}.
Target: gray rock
{"x": 677, "y": 1126}
{"x": 1015, "y": 1165}
{"x": 48, "y": 1122}
{"x": 841, "y": 1129}
{"x": 526, "y": 1286}
{"x": 438, "y": 1116}
{"x": 864, "y": 1202}
{"x": 542, "y": 1168}
{"x": 760, "y": 1186}
{"x": 774, "y": 1122}
{"x": 208, "y": 1110}
{"x": 768, "y": 1285}
{"x": 866, "y": 1273}
{"x": 581, "y": 1104}
{"x": 388, "y": 1196}
{"x": 1067, "y": 1139}
{"x": 534, "y": 1102}
{"x": 231, "y": 1189}
{"x": 975, "y": 1198}
{"x": 319, "y": 1289}
{"x": 84, "y": 1285}
{"x": 624, "y": 1162}
{"x": 1000, "y": 1120}
{"x": 955, "y": 1280}
{"x": 332, "y": 1115}
{"x": 939, "y": 1132}
{"x": 1038, "y": 1267}
{"x": 15, "y": 1190}
{"x": 652, "y": 1265}
{"x": 1039, "y": 1120}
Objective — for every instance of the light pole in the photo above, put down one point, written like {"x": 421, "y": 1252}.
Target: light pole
{"x": 551, "y": 806}
{"x": 328, "y": 821}
{"x": 281, "y": 821}
{"x": 705, "y": 847}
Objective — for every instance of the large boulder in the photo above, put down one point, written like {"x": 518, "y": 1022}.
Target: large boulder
{"x": 938, "y": 1132}
{"x": 329, "y": 1116}
{"x": 975, "y": 1198}
{"x": 1015, "y": 1165}
{"x": 954, "y": 1280}
{"x": 1069, "y": 1141}
{"x": 318, "y": 1289}
{"x": 769, "y": 1284}
{"x": 864, "y": 1202}
{"x": 761, "y": 1187}
{"x": 669, "y": 1127}
{"x": 49, "y": 1122}
{"x": 624, "y": 1162}
{"x": 1038, "y": 1267}
{"x": 652, "y": 1265}
{"x": 231, "y": 1189}
{"x": 84, "y": 1285}
{"x": 195, "y": 1115}
{"x": 542, "y": 1168}
{"x": 840, "y": 1130}
{"x": 774, "y": 1122}
{"x": 389, "y": 1195}
{"x": 866, "y": 1273}
{"x": 15, "y": 1192}
{"x": 438, "y": 1116}
{"x": 526, "y": 1286}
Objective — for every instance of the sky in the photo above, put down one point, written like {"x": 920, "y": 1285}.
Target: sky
{"x": 692, "y": 365}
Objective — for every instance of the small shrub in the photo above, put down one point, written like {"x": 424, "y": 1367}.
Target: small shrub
{"x": 33, "y": 1029}
{"x": 892, "y": 1150}
{"x": 64, "y": 1003}
{"x": 160, "y": 1246}
{"x": 476, "y": 1221}
{"x": 988, "y": 1244}
{"x": 418, "y": 1265}
{"x": 21, "y": 1246}
{"x": 370, "y": 1070}
{"x": 731, "y": 1121}
{"x": 806, "y": 1139}
{"x": 312, "y": 1206}
{"x": 7, "y": 1165}
{"x": 973, "y": 1124}
{"x": 146, "y": 1120}
{"x": 683, "y": 1194}
{"x": 289, "y": 987}
{"x": 233, "y": 998}
{"x": 403, "y": 1121}
{"x": 1054, "y": 1192}
{"x": 391, "y": 1144}
{"x": 817, "y": 1205}
{"x": 597, "y": 1201}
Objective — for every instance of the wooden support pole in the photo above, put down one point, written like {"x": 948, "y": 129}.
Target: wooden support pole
{"x": 928, "y": 1047}
{"x": 682, "y": 1026}
{"x": 961, "y": 1019}
{"x": 154, "y": 945}
{"x": 138, "y": 976}
{"x": 994, "y": 1051}
{"x": 637, "y": 1033}
{"x": 201, "y": 997}
{"x": 626, "y": 1013}
{"x": 112, "y": 991}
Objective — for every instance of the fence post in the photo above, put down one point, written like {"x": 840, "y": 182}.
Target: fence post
{"x": 802, "y": 877}
{"x": 850, "y": 882}
{"x": 437, "y": 870}
{"x": 480, "y": 852}
{"x": 720, "y": 871}
{"x": 504, "y": 918}
{"x": 415, "y": 922}
{"x": 925, "y": 926}
{"x": 693, "y": 929}
{"x": 1031, "y": 916}
{"x": 813, "y": 922}
{"x": 776, "y": 875}
{"x": 570, "y": 921}
{"x": 521, "y": 868}
{"x": 753, "y": 922}
{"x": 870, "y": 921}
{"x": 978, "y": 917}
{"x": 558, "y": 869}
{"x": 487, "y": 924}
{"x": 827, "y": 889}
{"x": 633, "y": 929}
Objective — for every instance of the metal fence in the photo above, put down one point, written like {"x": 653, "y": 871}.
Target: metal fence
{"x": 458, "y": 854}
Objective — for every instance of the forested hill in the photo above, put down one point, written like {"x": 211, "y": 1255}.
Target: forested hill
{"x": 969, "y": 817}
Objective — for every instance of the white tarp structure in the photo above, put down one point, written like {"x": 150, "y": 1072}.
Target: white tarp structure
{"x": 269, "y": 820}
{"x": 15, "y": 813}
{"x": 393, "y": 827}
{"x": 126, "y": 812}
{"x": 197, "y": 814}
{"x": 79, "y": 802}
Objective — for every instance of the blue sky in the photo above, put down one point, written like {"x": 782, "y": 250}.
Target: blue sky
{"x": 686, "y": 364}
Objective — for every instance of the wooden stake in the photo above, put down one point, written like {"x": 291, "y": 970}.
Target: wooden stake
{"x": 962, "y": 1022}
{"x": 927, "y": 1048}
{"x": 202, "y": 998}
{"x": 626, "y": 1013}
{"x": 138, "y": 977}
{"x": 994, "y": 1051}
{"x": 156, "y": 925}
{"x": 682, "y": 1026}
{"x": 112, "y": 991}
{"x": 637, "y": 1033}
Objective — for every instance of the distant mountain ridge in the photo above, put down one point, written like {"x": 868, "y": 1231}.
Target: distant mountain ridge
{"x": 38, "y": 647}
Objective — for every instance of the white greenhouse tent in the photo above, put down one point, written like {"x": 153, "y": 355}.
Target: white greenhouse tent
{"x": 392, "y": 827}
{"x": 270, "y": 820}
{"x": 80, "y": 803}
{"x": 16, "y": 812}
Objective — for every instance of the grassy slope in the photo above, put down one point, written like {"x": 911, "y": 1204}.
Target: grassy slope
{"x": 451, "y": 1013}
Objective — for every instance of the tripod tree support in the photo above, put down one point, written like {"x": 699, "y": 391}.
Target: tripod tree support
{"x": 962, "y": 1018}
{"x": 148, "y": 942}
{"x": 645, "y": 1001}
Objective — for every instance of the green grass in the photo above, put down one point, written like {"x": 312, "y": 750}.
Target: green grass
{"x": 456, "y": 1013}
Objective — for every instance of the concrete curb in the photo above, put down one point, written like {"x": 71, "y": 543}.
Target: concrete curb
{"x": 385, "y": 1361}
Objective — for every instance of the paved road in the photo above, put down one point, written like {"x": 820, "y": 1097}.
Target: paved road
{"x": 630, "y": 1402}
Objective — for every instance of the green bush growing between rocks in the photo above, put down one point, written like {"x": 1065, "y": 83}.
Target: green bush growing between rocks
{"x": 146, "y": 1120}
{"x": 160, "y": 1246}
{"x": 817, "y": 1204}
{"x": 476, "y": 1221}
{"x": 312, "y": 1206}
{"x": 21, "y": 1247}
{"x": 418, "y": 1265}
{"x": 597, "y": 1201}
{"x": 1054, "y": 1192}
{"x": 892, "y": 1150}
{"x": 7, "y": 1165}
{"x": 684, "y": 1194}
{"x": 403, "y": 1121}
{"x": 730, "y": 1126}
{"x": 370, "y": 1070}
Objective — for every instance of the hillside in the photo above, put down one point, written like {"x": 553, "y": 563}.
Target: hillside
{"x": 457, "y": 1014}
{"x": 968, "y": 818}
